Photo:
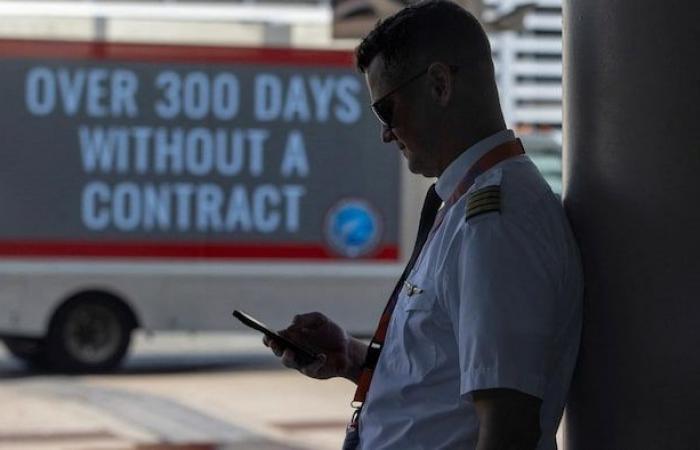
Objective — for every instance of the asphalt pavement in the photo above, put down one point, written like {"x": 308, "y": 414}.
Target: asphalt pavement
{"x": 175, "y": 392}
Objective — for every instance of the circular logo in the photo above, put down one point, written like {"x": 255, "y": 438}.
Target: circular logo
{"x": 353, "y": 228}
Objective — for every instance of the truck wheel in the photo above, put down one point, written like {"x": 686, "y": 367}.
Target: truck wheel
{"x": 88, "y": 335}
{"x": 29, "y": 350}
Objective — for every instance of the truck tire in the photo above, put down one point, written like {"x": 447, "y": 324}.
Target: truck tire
{"x": 31, "y": 351}
{"x": 88, "y": 334}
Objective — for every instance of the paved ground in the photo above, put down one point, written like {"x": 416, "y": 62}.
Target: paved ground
{"x": 175, "y": 392}
{"x": 201, "y": 392}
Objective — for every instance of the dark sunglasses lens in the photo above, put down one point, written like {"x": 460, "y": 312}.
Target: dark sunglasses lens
{"x": 383, "y": 110}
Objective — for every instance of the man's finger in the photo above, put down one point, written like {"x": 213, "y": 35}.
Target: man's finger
{"x": 277, "y": 349}
{"x": 296, "y": 336}
{"x": 309, "y": 320}
{"x": 288, "y": 359}
{"x": 312, "y": 370}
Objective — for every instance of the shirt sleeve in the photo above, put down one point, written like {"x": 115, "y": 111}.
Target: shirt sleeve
{"x": 501, "y": 299}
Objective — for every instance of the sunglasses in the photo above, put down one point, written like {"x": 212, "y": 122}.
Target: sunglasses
{"x": 384, "y": 109}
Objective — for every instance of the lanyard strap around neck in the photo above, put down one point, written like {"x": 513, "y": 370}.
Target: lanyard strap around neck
{"x": 493, "y": 157}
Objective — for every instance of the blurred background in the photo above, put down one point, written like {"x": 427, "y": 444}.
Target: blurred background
{"x": 119, "y": 272}
{"x": 525, "y": 37}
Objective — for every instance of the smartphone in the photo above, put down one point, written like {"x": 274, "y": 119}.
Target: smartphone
{"x": 302, "y": 355}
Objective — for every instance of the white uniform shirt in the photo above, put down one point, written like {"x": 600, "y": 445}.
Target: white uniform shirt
{"x": 500, "y": 307}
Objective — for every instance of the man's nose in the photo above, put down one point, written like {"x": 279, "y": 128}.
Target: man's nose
{"x": 387, "y": 134}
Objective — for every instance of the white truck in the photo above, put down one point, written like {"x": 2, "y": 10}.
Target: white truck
{"x": 160, "y": 187}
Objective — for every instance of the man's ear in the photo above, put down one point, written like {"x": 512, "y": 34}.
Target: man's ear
{"x": 441, "y": 81}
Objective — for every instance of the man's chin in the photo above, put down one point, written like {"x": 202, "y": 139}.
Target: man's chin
{"x": 420, "y": 171}
{"x": 413, "y": 169}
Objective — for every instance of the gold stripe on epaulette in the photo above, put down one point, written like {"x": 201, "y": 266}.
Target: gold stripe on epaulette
{"x": 493, "y": 187}
{"x": 483, "y": 193}
{"x": 486, "y": 190}
{"x": 482, "y": 210}
{"x": 483, "y": 201}
{"x": 478, "y": 200}
{"x": 485, "y": 205}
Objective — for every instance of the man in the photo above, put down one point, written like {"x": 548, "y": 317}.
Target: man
{"x": 483, "y": 333}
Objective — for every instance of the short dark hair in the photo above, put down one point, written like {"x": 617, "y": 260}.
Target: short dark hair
{"x": 439, "y": 28}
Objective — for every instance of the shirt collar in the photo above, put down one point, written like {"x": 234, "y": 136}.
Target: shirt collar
{"x": 452, "y": 175}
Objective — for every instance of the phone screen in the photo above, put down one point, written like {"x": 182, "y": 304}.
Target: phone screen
{"x": 302, "y": 355}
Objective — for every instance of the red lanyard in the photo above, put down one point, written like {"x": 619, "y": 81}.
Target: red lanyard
{"x": 490, "y": 159}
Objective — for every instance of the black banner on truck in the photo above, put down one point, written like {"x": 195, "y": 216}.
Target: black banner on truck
{"x": 123, "y": 150}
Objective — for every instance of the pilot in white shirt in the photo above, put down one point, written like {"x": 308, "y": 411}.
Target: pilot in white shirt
{"x": 494, "y": 301}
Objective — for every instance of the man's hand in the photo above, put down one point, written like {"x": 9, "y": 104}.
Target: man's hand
{"x": 508, "y": 419}
{"x": 340, "y": 355}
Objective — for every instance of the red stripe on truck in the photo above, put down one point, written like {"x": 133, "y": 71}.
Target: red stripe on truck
{"x": 208, "y": 250}
{"x": 16, "y": 48}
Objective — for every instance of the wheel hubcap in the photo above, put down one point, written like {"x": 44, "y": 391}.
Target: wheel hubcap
{"x": 92, "y": 333}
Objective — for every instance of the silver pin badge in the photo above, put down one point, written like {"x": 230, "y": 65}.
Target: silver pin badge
{"x": 412, "y": 289}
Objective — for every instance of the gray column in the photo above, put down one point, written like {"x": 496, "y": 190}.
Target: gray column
{"x": 632, "y": 191}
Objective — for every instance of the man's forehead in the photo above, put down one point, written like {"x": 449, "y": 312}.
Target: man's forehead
{"x": 379, "y": 77}
{"x": 376, "y": 77}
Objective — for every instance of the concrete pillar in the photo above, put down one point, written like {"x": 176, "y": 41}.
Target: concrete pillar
{"x": 632, "y": 191}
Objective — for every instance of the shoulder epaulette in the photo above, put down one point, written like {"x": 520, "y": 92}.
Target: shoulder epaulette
{"x": 484, "y": 201}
